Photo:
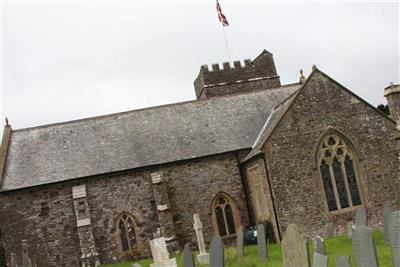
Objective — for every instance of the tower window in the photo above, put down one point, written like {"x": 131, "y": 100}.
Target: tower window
{"x": 338, "y": 173}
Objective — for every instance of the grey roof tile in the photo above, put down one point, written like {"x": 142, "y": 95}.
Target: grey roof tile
{"x": 138, "y": 138}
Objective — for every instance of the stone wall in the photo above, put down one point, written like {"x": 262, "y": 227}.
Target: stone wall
{"x": 236, "y": 78}
{"x": 290, "y": 153}
{"x": 45, "y": 216}
{"x": 193, "y": 186}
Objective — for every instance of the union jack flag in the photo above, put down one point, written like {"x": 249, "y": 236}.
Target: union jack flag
{"x": 221, "y": 16}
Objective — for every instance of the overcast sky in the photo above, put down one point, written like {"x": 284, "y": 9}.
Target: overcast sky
{"x": 65, "y": 60}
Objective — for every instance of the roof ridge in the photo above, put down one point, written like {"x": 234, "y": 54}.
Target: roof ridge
{"x": 148, "y": 108}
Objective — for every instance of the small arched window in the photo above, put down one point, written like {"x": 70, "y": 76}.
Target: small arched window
{"x": 127, "y": 232}
{"x": 225, "y": 215}
{"x": 338, "y": 171}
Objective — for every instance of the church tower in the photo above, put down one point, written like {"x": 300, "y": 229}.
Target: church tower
{"x": 392, "y": 93}
{"x": 253, "y": 75}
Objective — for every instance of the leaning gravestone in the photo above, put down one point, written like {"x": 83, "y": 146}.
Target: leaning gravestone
{"x": 320, "y": 260}
{"x": 319, "y": 245}
{"x": 294, "y": 250}
{"x": 160, "y": 254}
{"x": 217, "y": 258}
{"x": 188, "y": 260}
{"x": 361, "y": 217}
{"x": 262, "y": 243}
{"x": 364, "y": 247}
{"x": 239, "y": 242}
{"x": 387, "y": 209}
{"x": 343, "y": 261}
{"x": 394, "y": 233}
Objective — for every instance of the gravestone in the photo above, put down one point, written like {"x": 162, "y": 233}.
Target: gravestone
{"x": 294, "y": 251}
{"x": 262, "y": 243}
{"x": 364, "y": 247}
{"x": 136, "y": 265}
{"x": 350, "y": 229}
{"x": 320, "y": 260}
{"x": 188, "y": 260}
{"x": 387, "y": 209}
{"x": 343, "y": 261}
{"x": 203, "y": 256}
{"x": 329, "y": 229}
{"x": 319, "y": 245}
{"x": 13, "y": 260}
{"x": 361, "y": 217}
{"x": 160, "y": 254}
{"x": 240, "y": 242}
{"x": 26, "y": 261}
{"x": 217, "y": 258}
{"x": 394, "y": 234}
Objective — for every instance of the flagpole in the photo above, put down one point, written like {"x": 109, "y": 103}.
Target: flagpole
{"x": 226, "y": 44}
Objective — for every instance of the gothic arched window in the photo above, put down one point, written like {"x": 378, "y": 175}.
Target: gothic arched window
{"x": 127, "y": 232}
{"x": 225, "y": 215}
{"x": 338, "y": 172}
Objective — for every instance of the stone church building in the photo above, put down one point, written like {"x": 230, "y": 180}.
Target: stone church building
{"x": 248, "y": 149}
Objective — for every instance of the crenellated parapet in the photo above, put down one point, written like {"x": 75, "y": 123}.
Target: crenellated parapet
{"x": 234, "y": 78}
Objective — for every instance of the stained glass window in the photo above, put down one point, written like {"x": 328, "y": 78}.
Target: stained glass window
{"x": 327, "y": 181}
{"x": 127, "y": 232}
{"x": 224, "y": 215}
{"x": 338, "y": 173}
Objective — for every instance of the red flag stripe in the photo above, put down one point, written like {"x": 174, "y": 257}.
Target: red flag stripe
{"x": 221, "y": 16}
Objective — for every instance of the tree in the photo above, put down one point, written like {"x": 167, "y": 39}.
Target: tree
{"x": 384, "y": 109}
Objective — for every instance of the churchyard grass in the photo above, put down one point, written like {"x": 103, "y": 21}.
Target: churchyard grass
{"x": 335, "y": 246}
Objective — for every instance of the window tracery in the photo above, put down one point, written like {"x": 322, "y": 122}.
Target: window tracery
{"x": 127, "y": 232}
{"x": 339, "y": 177}
{"x": 224, "y": 213}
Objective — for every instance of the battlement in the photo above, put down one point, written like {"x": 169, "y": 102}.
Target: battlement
{"x": 233, "y": 77}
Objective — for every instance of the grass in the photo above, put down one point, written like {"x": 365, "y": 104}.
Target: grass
{"x": 335, "y": 246}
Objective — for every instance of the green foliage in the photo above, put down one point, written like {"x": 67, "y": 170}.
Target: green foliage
{"x": 384, "y": 109}
{"x": 335, "y": 246}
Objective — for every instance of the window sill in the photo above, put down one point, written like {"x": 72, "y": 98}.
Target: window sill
{"x": 345, "y": 210}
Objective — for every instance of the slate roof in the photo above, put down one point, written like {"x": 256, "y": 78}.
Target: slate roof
{"x": 270, "y": 124}
{"x": 139, "y": 138}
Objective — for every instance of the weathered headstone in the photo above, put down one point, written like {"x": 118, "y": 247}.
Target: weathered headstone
{"x": 394, "y": 234}
{"x": 203, "y": 256}
{"x": 329, "y": 229}
{"x": 13, "y": 260}
{"x": 262, "y": 243}
{"x": 136, "y": 265}
{"x": 343, "y": 261}
{"x": 387, "y": 209}
{"x": 217, "y": 258}
{"x": 294, "y": 250}
{"x": 240, "y": 242}
{"x": 350, "y": 229}
{"x": 188, "y": 260}
{"x": 160, "y": 254}
{"x": 320, "y": 260}
{"x": 26, "y": 261}
{"x": 364, "y": 247}
{"x": 319, "y": 245}
{"x": 361, "y": 217}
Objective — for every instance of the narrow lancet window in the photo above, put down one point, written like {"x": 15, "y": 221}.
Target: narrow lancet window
{"x": 127, "y": 232}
